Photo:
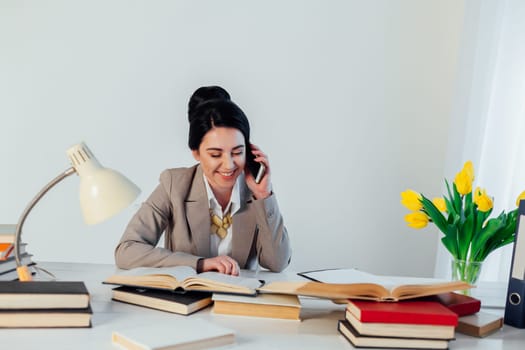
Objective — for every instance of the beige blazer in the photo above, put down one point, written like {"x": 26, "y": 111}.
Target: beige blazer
{"x": 179, "y": 208}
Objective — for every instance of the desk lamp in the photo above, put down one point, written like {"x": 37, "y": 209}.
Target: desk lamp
{"x": 103, "y": 193}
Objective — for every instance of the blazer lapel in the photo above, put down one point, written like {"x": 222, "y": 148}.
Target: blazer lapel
{"x": 197, "y": 203}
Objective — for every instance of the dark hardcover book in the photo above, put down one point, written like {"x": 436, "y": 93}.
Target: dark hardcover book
{"x": 460, "y": 304}
{"x": 367, "y": 341}
{"x": 46, "y": 318}
{"x": 43, "y": 295}
{"x": 183, "y": 304}
{"x": 12, "y": 275}
{"x": 9, "y": 263}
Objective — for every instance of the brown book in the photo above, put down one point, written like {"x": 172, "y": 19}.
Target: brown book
{"x": 45, "y": 318}
{"x": 480, "y": 324}
{"x": 263, "y": 305}
{"x": 369, "y": 341}
{"x": 179, "y": 303}
{"x": 184, "y": 278}
{"x": 43, "y": 295}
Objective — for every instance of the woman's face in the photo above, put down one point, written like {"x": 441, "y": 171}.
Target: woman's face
{"x": 222, "y": 154}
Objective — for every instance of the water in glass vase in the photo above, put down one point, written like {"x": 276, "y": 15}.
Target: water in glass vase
{"x": 468, "y": 271}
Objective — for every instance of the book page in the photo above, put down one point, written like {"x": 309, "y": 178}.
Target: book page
{"x": 179, "y": 272}
{"x": 153, "y": 277}
{"x": 222, "y": 280}
{"x": 352, "y": 275}
{"x": 334, "y": 291}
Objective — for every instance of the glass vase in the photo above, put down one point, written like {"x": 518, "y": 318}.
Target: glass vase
{"x": 467, "y": 271}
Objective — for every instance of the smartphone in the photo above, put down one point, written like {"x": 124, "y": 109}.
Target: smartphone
{"x": 256, "y": 169}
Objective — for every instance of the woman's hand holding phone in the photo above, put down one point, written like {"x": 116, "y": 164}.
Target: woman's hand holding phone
{"x": 257, "y": 172}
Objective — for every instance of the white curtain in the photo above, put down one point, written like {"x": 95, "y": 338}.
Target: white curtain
{"x": 487, "y": 122}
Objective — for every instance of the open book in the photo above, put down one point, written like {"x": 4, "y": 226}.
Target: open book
{"x": 362, "y": 285}
{"x": 185, "y": 278}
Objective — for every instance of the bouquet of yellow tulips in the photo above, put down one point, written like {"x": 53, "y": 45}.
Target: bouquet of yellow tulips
{"x": 463, "y": 218}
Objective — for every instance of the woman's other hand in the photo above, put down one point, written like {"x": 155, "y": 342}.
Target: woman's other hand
{"x": 222, "y": 263}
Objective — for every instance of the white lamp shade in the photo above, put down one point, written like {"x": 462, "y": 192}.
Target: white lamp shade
{"x": 103, "y": 192}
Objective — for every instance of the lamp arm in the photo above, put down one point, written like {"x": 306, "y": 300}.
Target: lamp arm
{"x": 18, "y": 232}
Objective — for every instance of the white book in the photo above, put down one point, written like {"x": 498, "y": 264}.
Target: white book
{"x": 7, "y": 233}
{"x": 190, "y": 334}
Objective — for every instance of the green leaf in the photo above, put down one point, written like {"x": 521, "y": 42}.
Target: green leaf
{"x": 480, "y": 219}
{"x": 450, "y": 206}
{"x": 452, "y": 238}
{"x": 450, "y": 244}
{"x": 434, "y": 213}
{"x": 479, "y": 244}
{"x": 458, "y": 202}
{"x": 448, "y": 190}
{"x": 466, "y": 232}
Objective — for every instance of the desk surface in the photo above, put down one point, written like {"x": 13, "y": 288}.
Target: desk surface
{"x": 317, "y": 330}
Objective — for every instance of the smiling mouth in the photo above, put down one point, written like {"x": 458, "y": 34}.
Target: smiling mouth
{"x": 227, "y": 174}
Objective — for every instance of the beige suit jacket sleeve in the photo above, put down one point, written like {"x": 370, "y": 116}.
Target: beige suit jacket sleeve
{"x": 137, "y": 247}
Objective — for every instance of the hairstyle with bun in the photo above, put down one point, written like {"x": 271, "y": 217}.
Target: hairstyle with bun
{"x": 210, "y": 107}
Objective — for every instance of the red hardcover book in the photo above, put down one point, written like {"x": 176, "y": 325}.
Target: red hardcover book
{"x": 461, "y": 304}
{"x": 405, "y": 312}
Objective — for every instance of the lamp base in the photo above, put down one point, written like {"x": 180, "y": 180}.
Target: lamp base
{"x": 24, "y": 275}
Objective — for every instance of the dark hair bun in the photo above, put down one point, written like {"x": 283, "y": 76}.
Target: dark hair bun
{"x": 205, "y": 94}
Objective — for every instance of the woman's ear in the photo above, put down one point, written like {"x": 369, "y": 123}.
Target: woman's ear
{"x": 196, "y": 155}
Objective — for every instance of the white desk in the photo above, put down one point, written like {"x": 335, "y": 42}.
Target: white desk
{"x": 317, "y": 330}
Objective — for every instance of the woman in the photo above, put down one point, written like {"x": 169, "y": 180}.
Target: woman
{"x": 214, "y": 216}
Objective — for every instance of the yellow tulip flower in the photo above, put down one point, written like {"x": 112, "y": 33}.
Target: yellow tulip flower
{"x": 412, "y": 200}
{"x": 416, "y": 219}
{"x": 463, "y": 181}
{"x": 481, "y": 199}
{"x": 468, "y": 168}
{"x": 520, "y": 197}
{"x": 477, "y": 194}
{"x": 439, "y": 202}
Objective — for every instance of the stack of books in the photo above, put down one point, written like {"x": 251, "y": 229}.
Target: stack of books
{"x": 181, "y": 290}
{"x": 43, "y": 304}
{"x": 407, "y": 324}
{"x": 7, "y": 253}
{"x": 177, "y": 289}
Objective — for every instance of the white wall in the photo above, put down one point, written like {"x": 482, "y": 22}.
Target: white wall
{"x": 350, "y": 99}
